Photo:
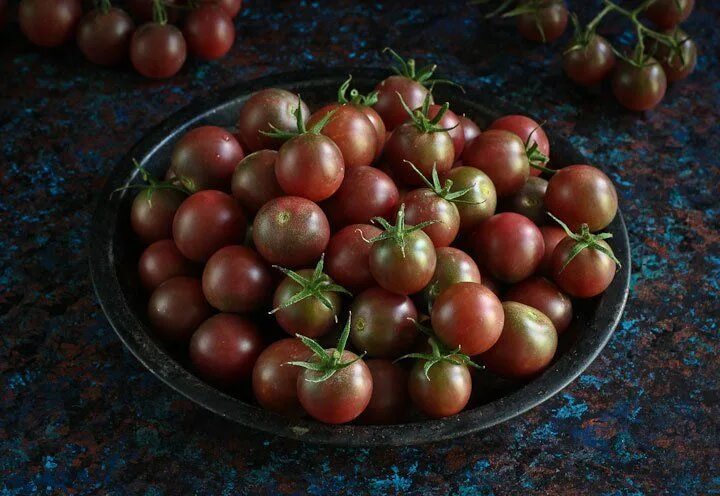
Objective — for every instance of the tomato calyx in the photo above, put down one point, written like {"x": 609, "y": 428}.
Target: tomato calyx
{"x": 584, "y": 239}
{"x": 151, "y": 184}
{"x": 302, "y": 128}
{"x": 399, "y": 231}
{"x": 327, "y": 363}
{"x": 406, "y": 68}
{"x": 159, "y": 12}
{"x": 356, "y": 98}
{"x": 444, "y": 190}
{"x": 420, "y": 118}
{"x": 314, "y": 287}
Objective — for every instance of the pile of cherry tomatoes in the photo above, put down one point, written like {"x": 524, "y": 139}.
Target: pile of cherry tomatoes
{"x": 395, "y": 245}
{"x": 107, "y": 35}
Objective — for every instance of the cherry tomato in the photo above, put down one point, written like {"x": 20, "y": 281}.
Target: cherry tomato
{"x": 224, "y": 349}
{"x": 529, "y": 200}
{"x": 205, "y": 158}
{"x": 290, "y": 231}
{"x": 547, "y": 24}
{"x": 453, "y": 266}
{"x": 205, "y": 222}
{"x": 639, "y": 88}
{"x": 677, "y": 67}
{"x": 104, "y": 36}
{"x": 588, "y": 274}
{"x": 552, "y": 235}
{"x": 382, "y": 323}
{"x": 352, "y": 132}
{"x": 425, "y": 205}
{"x": 209, "y": 31}
{"x": 667, "y": 14}
{"x": 274, "y": 380}
{"x": 157, "y": 50}
{"x": 501, "y": 155}
{"x": 446, "y": 390}
{"x": 162, "y": 261}
{"x": 451, "y": 121}
{"x": 49, "y": 23}
{"x": 365, "y": 193}
{"x": 543, "y": 295}
{"x": 528, "y": 130}
{"x": 254, "y": 182}
{"x": 510, "y": 246}
{"x": 388, "y": 103}
{"x": 378, "y": 125}
{"x": 342, "y": 397}
{"x": 348, "y": 256}
{"x": 582, "y": 194}
{"x": 491, "y": 283}
{"x": 152, "y": 213}
{"x": 272, "y": 107}
{"x": 527, "y": 343}
{"x": 481, "y": 199}
{"x": 390, "y": 398}
{"x": 470, "y": 131}
{"x": 176, "y": 308}
{"x": 232, "y": 7}
{"x": 237, "y": 280}
{"x": 424, "y": 149}
{"x": 589, "y": 63}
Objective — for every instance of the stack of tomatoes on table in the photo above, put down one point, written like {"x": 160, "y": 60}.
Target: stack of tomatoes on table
{"x": 367, "y": 231}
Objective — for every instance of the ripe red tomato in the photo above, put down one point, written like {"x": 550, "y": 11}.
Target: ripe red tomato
{"x": 274, "y": 380}
{"x": 588, "y": 63}
{"x": 582, "y": 194}
{"x": 424, "y": 149}
{"x": 378, "y": 125}
{"x": 481, "y": 200}
{"x": 224, "y": 349}
{"x": 157, "y": 50}
{"x": 677, "y": 67}
{"x": 543, "y": 295}
{"x": 588, "y": 274}
{"x": 527, "y": 343}
{"x": 365, "y": 193}
{"x": 423, "y": 205}
{"x": 501, "y": 155}
{"x": 162, "y": 261}
{"x": 388, "y": 103}
{"x": 152, "y": 213}
{"x": 49, "y": 23}
{"x": 232, "y": 7}
{"x": 103, "y": 36}
{"x": 552, "y": 235}
{"x": 510, "y": 246}
{"x": 470, "y": 131}
{"x": 352, "y": 132}
{"x": 547, "y": 24}
{"x": 453, "y": 266}
{"x": 205, "y": 158}
{"x": 451, "y": 121}
{"x": 237, "y": 280}
{"x": 667, "y": 14}
{"x": 444, "y": 392}
{"x": 205, "y": 222}
{"x": 528, "y": 130}
{"x": 176, "y": 308}
{"x": 389, "y": 401}
{"x": 268, "y": 108}
{"x": 639, "y": 88}
{"x": 348, "y": 256}
{"x": 209, "y": 31}
{"x": 468, "y": 315}
{"x": 290, "y": 231}
{"x": 254, "y": 182}
{"x": 529, "y": 200}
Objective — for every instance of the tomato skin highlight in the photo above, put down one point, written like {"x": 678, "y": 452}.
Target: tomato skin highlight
{"x": 236, "y": 280}
{"x": 157, "y": 51}
{"x": 451, "y": 121}
{"x": 403, "y": 273}
{"x": 665, "y": 14}
{"x": 529, "y": 201}
{"x": 151, "y": 216}
{"x": 482, "y": 196}
{"x": 308, "y": 317}
{"x": 176, "y": 308}
{"x": 232, "y": 7}
{"x": 254, "y": 182}
{"x": 546, "y": 297}
{"x": 526, "y": 129}
{"x": 453, "y": 266}
{"x": 352, "y": 132}
{"x": 209, "y": 31}
{"x": 424, "y": 150}
{"x": 445, "y": 394}
{"x": 49, "y": 23}
{"x": 162, "y": 261}
{"x": 552, "y": 235}
{"x": 470, "y": 131}
{"x": 272, "y": 106}
{"x": 501, "y": 155}
{"x": 389, "y": 401}
{"x": 365, "y": 193}
{"x": 553, "y": 18}
{"x": 675, "y": 67}
{"x": 639, "y": 88}
{"x": 388, "y": 104}
{"x": 425, "y": 205}
{"x": 588, "y": 274}
{"x": 274, "y": 381}
{"x": 347, "y": 259}
{"x": 589, "y": 65}
{"x": 378, "y": 125}
{"x": 104, "y": 37}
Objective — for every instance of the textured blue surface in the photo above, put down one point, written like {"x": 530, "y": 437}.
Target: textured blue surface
{"x": 80, "y": 415}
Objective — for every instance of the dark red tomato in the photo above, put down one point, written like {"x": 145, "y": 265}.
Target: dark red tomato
{"x": 49, "y": 23}
{"x": 588, "y": 64}
{"x": 342, "y": 397}
{"x": 467, "y": 315}
{"x": 309, "y": 317}
{"x": 232, "y": 7}
{"x": 552, "y": 235}
{"x": 388, "y": 103}
{"x": 152, "y": 213}
{"x": 209, "y": 31}
{"x": 237, "y": 280}
{"x": 347, "y": 259}
{"x": 157, "y": 51}
{"x": 482, "y": 197}
{"x": 290, "y": 231}
{"x": 424, "y": 149}
{"x": 588, "y": 274}
{"x": 527, "y": 129}
{"x": 390, "y": 397}
{"x": 310, "y": 166}
{"x": 274, "y": 380}
{"x": 207, "y": 221}
{"x": 176, "y": 308}
{"x": 365, "y": 193}
{"x": 382, "y": 323}
{"x": 142, "y": 10}
{"x": 205, "y": 158}
{"x": 378, "y": 125}
{"x": 403, "y": 271}
{"x": 582, "y": 194}
{"x": 510, "y": 246}
{"x": 667, "y": 14}
{"x": 351, "y": 131}
{"x": 425, "y": 205}
{"x": 450, "y": 120}
{"x": 272, "y": 107}
{"x": 453, "y": 266}
{"x": 254, "y": 182}
{"x": 470, "y": 131}
{"x": 677, "y": 67}
{"x": 445, "y": 393}
{"x": 224, "y": 349}
{"x": 501, "y": 155}
{"x": 529, "y": 200}
{"x": 162, "y": 261}
{"x": 547, "y": 24}
{"x": 104, "y": 36}
{"x": 527, "y": 343}
{"x": 639, "y": 88}
{"x": 543, "y": 295}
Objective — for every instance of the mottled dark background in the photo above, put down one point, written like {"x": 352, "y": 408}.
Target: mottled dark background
{"x": 79, "y": 415}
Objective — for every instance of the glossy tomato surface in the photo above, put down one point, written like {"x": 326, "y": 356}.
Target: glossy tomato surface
{"x": 347, "y": 259}
{"x": 388, "y": 103}
{"x": 446, "y": 390}
{"x": 176, "y": 308}
{"x": 265, "y": 109}
{"x": 209, "y": 31}
{"x": 450, "y": 121}
{"x": 676, "y": 66}
{"x": 588, "y": 274}
{"x": 390, "y": 398}
{"x": 501, "y": 155}
{"x": 542, "y": 294}
{"x": 157, "y": 51}
{"x": 552, "y": 235}
{"x": 274, "y": 380}
{"x": 453, "y": 266}
{"x": 547, "y": 24}
{"x": 152, "y": 213}
{"x": 424, "y": 205}
{"x": 639, "y": 88}
{"x": 365, "y": 193}
{"x": 589, "y": 63}
{"x": 237, "y": 280}
{"x": 528, "y": 130}
{"x": 351, "y": 130}
{"x": 104, "y": 37}
{"x": 667, "y": 14}
{"x": 49, "y": 23}
{"x": 254, "y": 183}
{"x": 162, "y": 261}
{"x": 529, "y": 201}
{"x": 425, "y": 150}
{"x": 470, "y": 131}
{"x": 403, "y": 270}
{"x": 480, "y": 202}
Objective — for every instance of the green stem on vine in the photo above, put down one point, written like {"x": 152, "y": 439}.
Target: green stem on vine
{"x": 159, "y": 12}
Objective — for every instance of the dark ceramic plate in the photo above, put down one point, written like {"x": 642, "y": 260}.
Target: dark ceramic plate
{"x": 114, "y": 254}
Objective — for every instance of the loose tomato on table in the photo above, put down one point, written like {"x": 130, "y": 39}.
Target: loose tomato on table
{"x": 542, "y": 294}
{"x": 158, "y": 49}
{"x": 545, "y": 22}
{"x": 365, "y": 193}
{"x": 479, "y": 203}
{"x": 677, "y": 64}
{"x": 254, "y": 183}
{"x": 274, "y": 380}
{"x": 104, "y": 34}
{"x": 588, "y": 59}
{"x": 176, "y": 308}
{"x": 267, "y": 110}
{"x": 49, "y": 23}
{"x": 209, "y": 31}
{"x": 347, "y": 257}
{"x": 639, "y": 85}
{"x": 389, "y": 401}
{"x": 667, "y": 14}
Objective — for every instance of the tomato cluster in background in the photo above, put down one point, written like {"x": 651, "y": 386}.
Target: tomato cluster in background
{"x": 639, "y": 76}
{"x": 395, "y": 244}
{"x": 154, "y": 35}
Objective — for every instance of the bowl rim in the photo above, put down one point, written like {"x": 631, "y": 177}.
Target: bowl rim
{"x": 134, "y": 333}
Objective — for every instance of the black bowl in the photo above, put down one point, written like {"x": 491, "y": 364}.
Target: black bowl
{"x": 115, "y": 250}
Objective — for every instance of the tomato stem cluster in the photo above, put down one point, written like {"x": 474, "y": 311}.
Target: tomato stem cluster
{"x": 356, "y": 98}
{"x": 151, "y": 184}
{"x": 397, "y": 232}
{"x": 444, "y": 191}
{"x": 159, "y": 12}
{"x": 585, "y": 239}
{"x": 302, "y": 128}
{"x": 421, "y": 119}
